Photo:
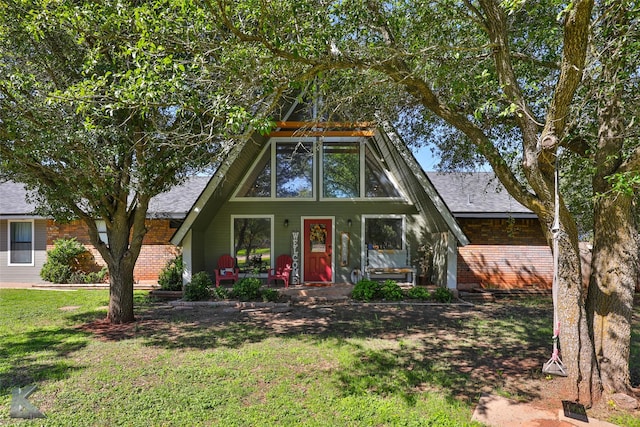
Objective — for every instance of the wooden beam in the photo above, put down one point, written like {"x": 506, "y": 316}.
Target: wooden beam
{"x": 326, "y": 133}
{"x": 324, "y": 125}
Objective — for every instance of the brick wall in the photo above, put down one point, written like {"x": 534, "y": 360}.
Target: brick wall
{"x": 504, "y": 254}
{"x": 156, "y": 249}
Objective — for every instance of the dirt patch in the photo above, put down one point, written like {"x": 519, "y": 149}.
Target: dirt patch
{"x": 489, "y": 348}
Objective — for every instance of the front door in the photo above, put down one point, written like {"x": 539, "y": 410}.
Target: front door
{"x": 318, "y": 236}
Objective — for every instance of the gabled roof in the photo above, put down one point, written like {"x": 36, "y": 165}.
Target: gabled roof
{"x": 395, "y": 154}
{"x": 477, "y": 195}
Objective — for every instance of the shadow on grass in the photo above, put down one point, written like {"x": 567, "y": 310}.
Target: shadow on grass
{"x": 463, "y": 350}
{"x": 38, "y": 355}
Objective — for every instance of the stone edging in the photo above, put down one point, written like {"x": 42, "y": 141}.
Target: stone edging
{"x": 256, "y": 304}
{"x": 236, "y": 304}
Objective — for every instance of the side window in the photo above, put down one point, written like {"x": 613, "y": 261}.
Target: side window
{"x": 252, "y": 243}
{"x": 384, "y": 233}
{"x": 258, "y": 183}
{"x": 21, "y": 243}
{"x": 101, "y": 225}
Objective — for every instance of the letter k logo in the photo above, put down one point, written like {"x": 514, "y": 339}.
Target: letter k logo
{"x": 20, "y": 406}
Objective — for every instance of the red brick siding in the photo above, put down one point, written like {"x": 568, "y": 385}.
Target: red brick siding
{"x": 156, "y": 249}
{"x": 504, "y": 254}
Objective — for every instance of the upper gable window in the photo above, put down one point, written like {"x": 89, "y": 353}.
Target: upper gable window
{"x": 258, "y": 182}
{"x": 290, "y": 168}
{"x": 377, "y": 182}
{"x": 341, "y": 169}
{"x": 294, "y": 169}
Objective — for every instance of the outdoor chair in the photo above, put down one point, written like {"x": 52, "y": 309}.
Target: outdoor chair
{"x": 226, "y": 270}
{"x": 282, "y": 270}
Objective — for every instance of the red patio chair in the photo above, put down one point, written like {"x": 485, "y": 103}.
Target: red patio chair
{"x": 226, "y": 270}
{"x": 282, "y": 270}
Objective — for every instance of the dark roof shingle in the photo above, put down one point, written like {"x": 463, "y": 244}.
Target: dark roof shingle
{"x": 475, "y": 193}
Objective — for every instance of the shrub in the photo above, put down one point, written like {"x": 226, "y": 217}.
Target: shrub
{"x": 91, "y": 277}
{"x": 270, "y": 295}
{"x": 418, "y": 293}
{"x": 219, "y": 293}
{"x": 366, "y": 290}
{"x": 170, "y": 278}
{"x": 62, "y": 261}
{"x": 391, "y": 291}
{"x": 442, "y": 294}
{"x": 247, "y": 289}
{"x": 96, "y": 276}
{"x": 199, "y": 288}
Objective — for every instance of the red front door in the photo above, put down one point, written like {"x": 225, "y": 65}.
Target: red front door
{"x": 318, "y": 250}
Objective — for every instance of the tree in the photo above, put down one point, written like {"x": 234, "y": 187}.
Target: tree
{"x": 497, "y": 81}
{"x": 104, "y": 105}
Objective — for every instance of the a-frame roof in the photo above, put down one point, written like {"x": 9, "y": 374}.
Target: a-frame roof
{"x": 395, "y": 154}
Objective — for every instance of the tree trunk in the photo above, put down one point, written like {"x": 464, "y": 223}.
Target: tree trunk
{"x": 121, "y": 293}
{"x": 125, "y": 232}
{"x": 614, "y": 272}
{"x": 614, "y": 261}
{"x": 576, "y": 348}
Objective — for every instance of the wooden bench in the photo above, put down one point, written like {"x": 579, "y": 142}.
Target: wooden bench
{"x": 389, "y": 263}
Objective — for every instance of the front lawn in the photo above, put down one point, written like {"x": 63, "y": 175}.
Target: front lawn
{"x": 338, "y": 366}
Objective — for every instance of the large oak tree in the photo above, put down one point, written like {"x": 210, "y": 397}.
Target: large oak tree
{"x": 104, "y": 105}
{"x": 504, "y": 82}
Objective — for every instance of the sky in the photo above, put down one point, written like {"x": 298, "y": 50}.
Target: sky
{"x": 425, "y": 158}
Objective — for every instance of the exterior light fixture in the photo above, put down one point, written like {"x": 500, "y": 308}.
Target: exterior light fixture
{"x": 349, "y": 222}
{"x": 286, "y": 222}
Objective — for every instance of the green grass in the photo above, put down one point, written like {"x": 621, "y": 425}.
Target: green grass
{"x": 184, "y": 370}
{"x": 231, "y": 376}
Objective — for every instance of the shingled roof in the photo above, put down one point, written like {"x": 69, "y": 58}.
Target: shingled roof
{"x": 477, "y": 194}
{"x": 173, "y": 204}
{"x": 13, "y": 202}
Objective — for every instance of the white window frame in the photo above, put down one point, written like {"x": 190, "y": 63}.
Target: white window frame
{"x": 101, "y": 226}
{"x": 271, "y": 148}
{"x": 232, "y": 248}
{"x": 320, "y": 160}
{"x": 33, "y": 245}
{"x": 384, "y": 216}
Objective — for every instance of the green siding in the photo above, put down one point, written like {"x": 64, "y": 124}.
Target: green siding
{"x": 215, "y": 239}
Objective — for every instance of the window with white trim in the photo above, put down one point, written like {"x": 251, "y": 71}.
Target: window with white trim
{"x": 341, "y": 169}
{"x": 294, "y": 169}
{"x": 348, "y": 168}
{"x": 101, "y": 225}
{"x": 21, "y": 249}
{"x": 384, "y": 233}
{"x": 252, "y": 237}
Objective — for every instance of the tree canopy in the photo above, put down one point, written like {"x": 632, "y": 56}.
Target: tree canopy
{"x": 514, "y": 84}
{"x": 104, "y": 105}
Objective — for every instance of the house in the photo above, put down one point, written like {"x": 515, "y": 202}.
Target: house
{"x": 344, "y": 200}
{"x": 25, "y": 236}
{"x": 506, "y": 249}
